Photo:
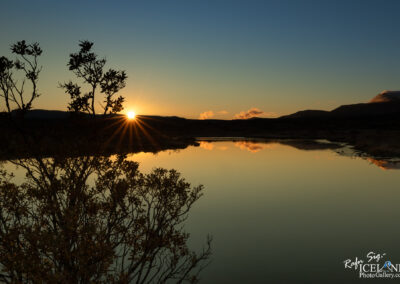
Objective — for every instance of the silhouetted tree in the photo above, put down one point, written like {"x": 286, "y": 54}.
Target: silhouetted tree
{"x": 88, "y": 66}
{"x": 12, "y": 91}
{"x": 6, "y": 81}
{"x": 123, "y": 227}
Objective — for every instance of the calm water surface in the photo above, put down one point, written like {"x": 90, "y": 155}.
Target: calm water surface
{"x": 281, "y": 214}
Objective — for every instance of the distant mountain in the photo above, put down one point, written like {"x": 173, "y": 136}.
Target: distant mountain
{"x": 367, "y": 109}
{"x": 307, "y": 114}
{"x": 385, "y": 103}
{"x": 44, "y": 114}
{"x": 59, "y": 114}
{"x": 386, "y": 96}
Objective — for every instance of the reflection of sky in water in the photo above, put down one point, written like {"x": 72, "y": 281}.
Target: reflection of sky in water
{"x": 268, "y": 204}
{"x": 250, "y": 146}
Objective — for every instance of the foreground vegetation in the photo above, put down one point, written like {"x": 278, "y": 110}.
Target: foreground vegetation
{"x": 121, "y": 227}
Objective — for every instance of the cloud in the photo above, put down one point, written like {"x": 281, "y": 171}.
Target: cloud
{"x": 253, "y": 112}
{"x": 206, "y": 115}
{"x": 209, "y": 114}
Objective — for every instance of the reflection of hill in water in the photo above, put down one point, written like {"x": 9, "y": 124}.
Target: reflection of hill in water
{"x": 307, "y": 145}
{"x": 121, "y": 227}
{"x": 256, "y": 145}
{"x": 385, "y": 164}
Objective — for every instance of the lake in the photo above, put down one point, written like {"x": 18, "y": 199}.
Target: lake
{"x": 281, "y": 214}
{"x": 285, "y": 211}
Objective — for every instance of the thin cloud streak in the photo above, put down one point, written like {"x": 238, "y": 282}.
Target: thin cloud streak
{"x": 210, "y": 114}
{"x": 253, "y": 112}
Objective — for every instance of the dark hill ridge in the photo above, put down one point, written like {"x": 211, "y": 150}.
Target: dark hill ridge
{"x": 308, "y": 114}
{"x": 386, "y": 96}
{"x": 45, "y": 114}
{"x": 367, "y": 109}
{"x": 385, "y": 103}
{"x": 367, "y": 125}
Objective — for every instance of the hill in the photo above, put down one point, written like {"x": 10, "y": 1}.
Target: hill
{"x": 370, "y": 125}
{"x": 386, "y": 96}
{"x": 385, "y": 103}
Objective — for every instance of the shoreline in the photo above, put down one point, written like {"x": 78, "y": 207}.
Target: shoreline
{"x": 116, "y": 135}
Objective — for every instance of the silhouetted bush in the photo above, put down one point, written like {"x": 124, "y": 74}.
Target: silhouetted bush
{"x": 123, "y": 227}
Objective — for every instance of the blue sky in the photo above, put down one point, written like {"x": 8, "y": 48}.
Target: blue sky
{"x": 188, "y": 57}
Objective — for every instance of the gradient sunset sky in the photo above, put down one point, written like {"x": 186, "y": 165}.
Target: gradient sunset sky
{"x": 188, "y": 57}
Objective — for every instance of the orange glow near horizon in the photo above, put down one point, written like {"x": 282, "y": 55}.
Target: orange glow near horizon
{"x": 131, "y": 115}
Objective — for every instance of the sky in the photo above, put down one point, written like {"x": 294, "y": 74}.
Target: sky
{"x": 217, "y": 59}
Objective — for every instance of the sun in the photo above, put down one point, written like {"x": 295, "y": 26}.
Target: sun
{"x": 131, "y": 114}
